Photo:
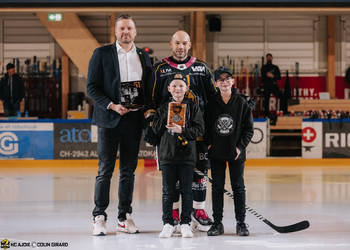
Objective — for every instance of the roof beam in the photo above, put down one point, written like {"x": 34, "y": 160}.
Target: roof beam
{"x": 73, "y": 37}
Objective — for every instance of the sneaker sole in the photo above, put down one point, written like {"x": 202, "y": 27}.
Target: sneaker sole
{"x": 243, "y": 235}
{"x": 99, "y": 234}
{"x": 123, "y": 230}
{"x": 215, "y": 234}
{"x": 187, "y": 236}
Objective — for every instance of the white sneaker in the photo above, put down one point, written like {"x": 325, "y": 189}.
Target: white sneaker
{"x": 99, "y": 225}
{"x": 167, "y": 231}
{"x": 127, "y": 226}
{"x": 186, "y": 231}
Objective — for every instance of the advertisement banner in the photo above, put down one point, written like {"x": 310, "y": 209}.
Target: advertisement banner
{"x": 336, "y": 139}
{"x": 26, "y": 140}
{"x": 74, "y": 141}
{"x": 311, "y": 139}
{"x": 257, "y": 148}
{"x": 146, "y": 151}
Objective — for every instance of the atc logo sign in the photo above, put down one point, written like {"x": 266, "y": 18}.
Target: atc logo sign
{"x": 8, "y": 143}
{"x": 309, "y": 134}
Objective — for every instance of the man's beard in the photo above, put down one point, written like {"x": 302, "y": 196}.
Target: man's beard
{"x": 126, "y": 39}
{"x": 181, "y": 56}
{"x": 126, "y": 42}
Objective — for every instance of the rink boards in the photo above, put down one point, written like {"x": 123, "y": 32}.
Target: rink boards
{"x": 77, "y": 139}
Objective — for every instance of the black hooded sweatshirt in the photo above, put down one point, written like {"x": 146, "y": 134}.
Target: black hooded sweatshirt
{"x": 228, "y": 126}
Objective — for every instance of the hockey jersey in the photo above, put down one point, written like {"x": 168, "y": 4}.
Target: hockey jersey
{"x": 198, "y": 74}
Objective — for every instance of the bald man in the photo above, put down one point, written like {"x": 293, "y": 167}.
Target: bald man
{"x": 201, "y": 86}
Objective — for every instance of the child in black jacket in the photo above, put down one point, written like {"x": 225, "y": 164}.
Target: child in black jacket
{"x": 177, "y": 155}
{"x": 229, "y": 129}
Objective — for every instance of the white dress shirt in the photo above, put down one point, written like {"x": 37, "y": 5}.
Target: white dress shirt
{"x": 130, "y": 67}
{"x": 129, "y": 64}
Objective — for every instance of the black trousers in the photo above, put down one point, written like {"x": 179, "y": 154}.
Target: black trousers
{"x": 199, "y": 184}
{"x": 10, "y": 109}
{"x": 172, "y": 173}
{"x": 127, "y": 137}
{"x": 218, "y": 173}
{"x": 272, "y": 89}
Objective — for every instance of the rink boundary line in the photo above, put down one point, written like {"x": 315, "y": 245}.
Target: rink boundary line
{"x": 5, "y": 163}
{"x": 297, "y": 162}
{"x": 268, "y": 162}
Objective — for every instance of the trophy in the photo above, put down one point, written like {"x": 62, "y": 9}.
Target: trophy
{"x": 177, "y": 114}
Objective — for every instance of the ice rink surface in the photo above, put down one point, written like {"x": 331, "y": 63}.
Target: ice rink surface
{"x": 41, "y": 206}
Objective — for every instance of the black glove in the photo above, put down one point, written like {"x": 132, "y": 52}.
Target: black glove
{"x": 151, "y": 137}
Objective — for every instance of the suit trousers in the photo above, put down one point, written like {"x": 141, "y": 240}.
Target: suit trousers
{"x": 126, "y": 136}
{"x": 10, "y": 109}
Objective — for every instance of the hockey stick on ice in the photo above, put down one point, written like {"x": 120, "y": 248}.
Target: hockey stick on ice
{"x": 286, "y": 229}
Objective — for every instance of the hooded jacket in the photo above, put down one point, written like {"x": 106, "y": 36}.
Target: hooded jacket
{"x": 170, "y": 148}
{"x": 228, "y": 126}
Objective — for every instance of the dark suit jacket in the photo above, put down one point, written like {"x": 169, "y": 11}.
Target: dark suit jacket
{"x": 103, "y": 82}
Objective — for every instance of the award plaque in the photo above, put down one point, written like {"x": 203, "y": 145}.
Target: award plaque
{"x": 177, "y": 114}
{"x": 131, "y": 95}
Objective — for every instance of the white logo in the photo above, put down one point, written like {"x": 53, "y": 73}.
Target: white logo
{"x": 224, "y": 125}
{"x": 337, "y": 140}
{"x": 8, "y": 143}
{"x": 164, "y": 71}
{"x": 198, "y": 68}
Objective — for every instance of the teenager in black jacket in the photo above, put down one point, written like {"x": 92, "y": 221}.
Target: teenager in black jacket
{"x": 229, "y": 129}
{"x": 177, "y": 155}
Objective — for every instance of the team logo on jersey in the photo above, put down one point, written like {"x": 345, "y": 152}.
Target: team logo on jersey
{"x": 224, "y": 125}
{"x": 198, "y": 68}
{"x": 165, "y": 71}
{"x": 181, "y": 66}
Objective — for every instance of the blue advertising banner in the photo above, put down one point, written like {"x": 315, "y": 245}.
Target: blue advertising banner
{"x": 74, "y": 141}
{"x": 26, "y": 140}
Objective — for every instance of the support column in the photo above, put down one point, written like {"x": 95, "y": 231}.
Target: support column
{"x": 65, "y": 84}
{"x": 198, "y": 35}
{"x": 331, "y": 57}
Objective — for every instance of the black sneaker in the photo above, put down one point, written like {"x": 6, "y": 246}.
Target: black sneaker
{"x": 241, "y": 229}
{"x": 216, "y": 229}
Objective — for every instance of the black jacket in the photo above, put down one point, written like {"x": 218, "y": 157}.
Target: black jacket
{"x": 269, "y": 67}
{"x": 228, "y": 126}
{"x": 12, "y": 94}
{"x": 103, "y": 82}
{"x": 170, "y": 148}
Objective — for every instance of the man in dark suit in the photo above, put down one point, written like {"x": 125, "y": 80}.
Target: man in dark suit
{"x": 118, "y": 126}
